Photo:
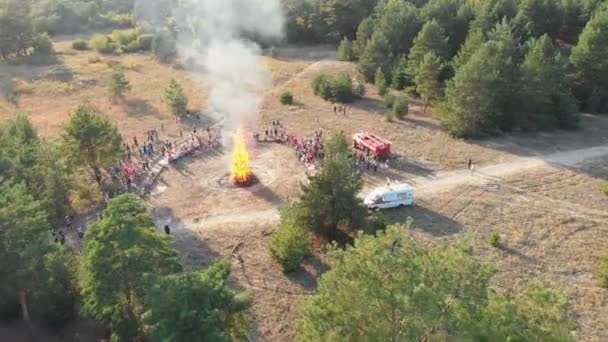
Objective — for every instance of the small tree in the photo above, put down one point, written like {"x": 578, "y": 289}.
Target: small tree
{"x": 380, "y": 82}
{"x": 330, "y": 201}
{"x": 119, "y": 83}
{"x": 427, "y": 78}
{"x": 605, "y": 188}
{"x": 286, "y": 98}
{"x": 102, "y": 44}
{"x": 121, "y": 248}
{"x": 400, "y": 107}
{"x": 343, "y": 90}
{"x": 92, "y": 140}
{"x": 290, "y": 245}
{"x": 602, "y": 270}
{"x": 389, "y": 101}
{"x": 42, "y": 44}
{"x": 195, "y": 306}
{"x": 176, "y": 99}
{"x": 494, "y": 239}
{"x": 345, "y": 50}
{"x": 80, "y": 44}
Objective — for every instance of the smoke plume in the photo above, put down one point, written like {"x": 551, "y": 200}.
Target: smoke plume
{"x": 221, "y": 36}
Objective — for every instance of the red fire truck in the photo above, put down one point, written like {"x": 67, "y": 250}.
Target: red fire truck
{"x": 376, "y": 145}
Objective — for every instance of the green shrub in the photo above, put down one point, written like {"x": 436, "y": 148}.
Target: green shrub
{"x": 494, "y": 239}
{"x": 345, "y": 50}
{"x": 290, "y": 245}
{"x": 286, "y": 98}
{"x": 124, "y": 37}
{"x": 378, "y": 221}
{"x": 145, "y": 41}
{"x": 338, "y": 88}
{"x": 102, "y": 44}
{"x": 389, "y": 116}
{"x": 380, "y": 82}
{"x": 42, "y": 44}
{"x": 605, "y": 188}
{"x": 80, "y": 44}
{"x": 400, "y": 107}
{"x": 389, "y": 100}
{"x": 132, "y": 47}
{"x": 602, "y": 271}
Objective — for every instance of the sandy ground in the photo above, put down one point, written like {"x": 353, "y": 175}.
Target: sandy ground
{"x": 544, "y": 200}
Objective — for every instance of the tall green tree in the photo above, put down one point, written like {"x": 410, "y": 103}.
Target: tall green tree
{"x": 365, "y": 30}
{"x": 24, "y": 241}
{"x": 176, "y": 99}
{"x": 482, "y": 96}
{"x": 290, "y": 245}
{"x": 377, "y": 54}
{"x": 588, "y": 57}
{"x": 454, "y": 16}
{"x": 195, "y": 306}
{"x": 119, "y": 84}
{"x": 120, "y": 250}
{"x": 330, "y": 201}
{"x": 16, "y": 32}
{"x": 539, "y": 17}
{"x": 399, "y": 22}
{"x": 92, "y": 140}
{"x": 391, "y": 288}
{"x": 427, "y": 79}
{"x": 474, "y": 41}
{"x": 431, "y": 38}
{"x": 544, "y": 85}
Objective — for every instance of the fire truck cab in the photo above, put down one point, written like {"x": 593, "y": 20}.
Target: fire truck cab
{"x": 378, "y": 146}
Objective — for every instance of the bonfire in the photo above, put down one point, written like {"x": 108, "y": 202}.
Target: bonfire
{"x": 241, "y": 175}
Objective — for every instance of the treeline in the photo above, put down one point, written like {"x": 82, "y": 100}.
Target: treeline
{"x": 22, "y": 21}
{"x": 489, "y": 66}
{"x": 127, "y": 275}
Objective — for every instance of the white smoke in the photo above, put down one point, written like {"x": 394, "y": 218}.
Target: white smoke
{"x": 213, "y": 34}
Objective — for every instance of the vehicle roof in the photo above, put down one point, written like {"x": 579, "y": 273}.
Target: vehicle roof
{"x": 397, "y": 187}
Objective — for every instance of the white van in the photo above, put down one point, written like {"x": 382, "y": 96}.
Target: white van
{"x": 390, "y": 196}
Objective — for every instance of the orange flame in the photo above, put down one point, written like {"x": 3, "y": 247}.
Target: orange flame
{"x": 240, "y": 160}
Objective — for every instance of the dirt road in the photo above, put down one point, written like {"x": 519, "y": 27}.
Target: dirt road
{"x": 438, "y": 182}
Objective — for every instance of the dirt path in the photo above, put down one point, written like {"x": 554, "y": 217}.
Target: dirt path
{"x": 439, "y": 182}
{"x": 447, "y": 180}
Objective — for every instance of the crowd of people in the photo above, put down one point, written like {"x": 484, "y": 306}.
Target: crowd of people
{"x": 308, "y": 149}
{"x": 209, "y": 139}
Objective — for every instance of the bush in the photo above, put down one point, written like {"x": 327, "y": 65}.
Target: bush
{"x": 102, "y": 44}
{"x": 132, "y": 47}
{"x": 345, "y": 50}
{"x": 145, "y": 41}
{"x": 380, "y": 82}
{"x": 339, "y": 88}
{"x": 605, "y": 188}
{"x": 389, "y": 100}
{"x": 286, "y": 98}
{"x": 290, "y": 245}
{"x": 389, "y": 116}
{"x": 602, "y": 271}
{"x": 80, "y": 44}
{"x": 378, "y": 221}
{"x": 124, "y": 37}
{"x": 494, "y": 239}
{"x": 400, "y": 107}
{"x": 42, "y": 44}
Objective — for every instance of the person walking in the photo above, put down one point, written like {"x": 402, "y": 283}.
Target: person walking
{"x": 167, "y": 230}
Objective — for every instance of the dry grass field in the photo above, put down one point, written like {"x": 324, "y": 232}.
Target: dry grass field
{"x": 553, "y": 219}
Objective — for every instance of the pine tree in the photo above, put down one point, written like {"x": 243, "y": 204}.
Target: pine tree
{"x": 364, "y": 34}
{"x": 473, "y": 42}
{"x": 399, "y": 22}
{"x": 380, "y": 82}
{"x": 400, "y": 79}
{"x": 121, "y": 249}
{"x": 376, "y": 55}
{"x": 92, "y": 140}
{"x": 427, "y": 79}
{"x": 119, "y": 84}
{"x": 329, "y": 202}
{"x": 482, "y": 96}
{"x": 589, "y": 56}
{"x": 431, "y": 38}
{"x": 345, "y": 50}
{"x": 176, "y": 99}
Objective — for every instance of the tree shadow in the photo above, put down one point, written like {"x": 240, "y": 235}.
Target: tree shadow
{"x": 267, "y": 194}
{"x": 308, "y": 273}
{"x": 424, "y": 219}
{"x": 194, "y": 252}
{"x": 141, "y": 108}
{"x": 411, "y": 122}
{"x": 517, "y": 253}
